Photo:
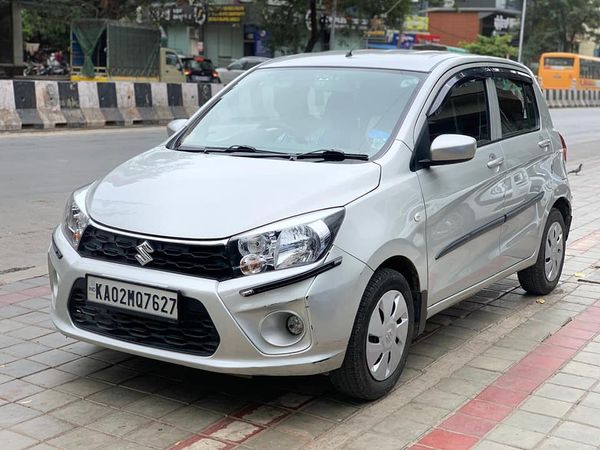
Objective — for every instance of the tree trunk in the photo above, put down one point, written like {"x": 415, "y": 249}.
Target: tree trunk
{"x": 314, "y": 28}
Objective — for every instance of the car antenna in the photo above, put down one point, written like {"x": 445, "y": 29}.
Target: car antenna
{"x": 349, "y": 54}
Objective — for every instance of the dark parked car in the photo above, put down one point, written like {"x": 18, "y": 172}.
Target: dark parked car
{"x": 199, "y": 69}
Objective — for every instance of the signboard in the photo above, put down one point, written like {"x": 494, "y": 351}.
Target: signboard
{"x": 226, "y": 13}
{"x": 172, "y": 13}
{"x": 416, "y": 23}
{"x": 502, "y": 23}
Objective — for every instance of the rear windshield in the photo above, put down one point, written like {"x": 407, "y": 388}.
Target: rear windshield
{"x": 199, "y": 65}
{"x": 558, "y": 63}
{"x": 295, "y": 110}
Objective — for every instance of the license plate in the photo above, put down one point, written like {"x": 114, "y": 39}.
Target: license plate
{"x": 132, "y": 297}
{"x": 200, "y": 78}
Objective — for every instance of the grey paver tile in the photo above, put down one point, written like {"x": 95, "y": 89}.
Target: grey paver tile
{"x": 557, "y": 392}
{"x": 585, "y": 415}
{"x": 418, "y": 362}
{"x": 578, "y": 433}
{"x": 191, "y": 418}
{"x": 29, "y": 332}
{"x": 83, "y": 387}
{"x": 401, "y": 427}
{"x": 331, "y": 409}
{"x": 490, "y": 363}
{"x": 583, "y": 356}
{"x": 50, "y": 378}
{"x": 571, "y": 380}
{"x": 158, "y": 435}
{"x": 458, "y": 386}
{"x": 506, "y": 434}
{"x": 592, "y": 400}
{"x": 305, "y": 425}
{"x": 12, "y": 311}
{"x": 546, "y": 406}
{"x": 21, "y": 368}
{"x": 154, "y": 407}
{"x": 54, "y": 357}
{"x": 35, "y": 303}
{"x": 116, "y": 396}
{"x": 82, "y": 348}
{"x": 445, "y": 340}
{"x": 490, "y": 445}
{"x": 582, "y": 369}
{"x": 17, "y": 389}
{"x": 505, "y": 353}
{"x": 48, "y": 400}
{"x": 459, "y": 332}
{"x": 432, "y": 351}
{"x": 516, "y": 343}
{"x": 111, "y": 356}
{"x": 32, "y": 317}
{"x": 441, "y": 399}
{"x": 81, "y": 412}
{"x": 555, "y": 443}
{"x": 114, "y": 374}
{"x": 11, "y": 414}
{"x": 223, "y": 404}
{"x": 25, "y": 349}
{"x": 43, "y": 427}
{"x": 82, "y": 439}
{"x": 54, "y": 340}
{"x": 83, "y": 366}
{"x": 368, "y": 440}
{"x": 147, "y": 383}
{"x": 479, "y": 377}
{"x": 531, "y": 421}
{"x": 275, "y": 439}
{"x": 422, "y": 413}
{"x": 119, "y": 423}
{"x": 15, "y": 441}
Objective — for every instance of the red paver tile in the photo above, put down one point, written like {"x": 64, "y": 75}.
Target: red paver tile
{"x": 533, "y": 373}
{"x": 485, "y": 410}
{"x": 264, "y": 415}
{"x": 583, "y": 324}
{"x": 556, "y": 351}
{"x": 501, "y": 396}
{"x": 232, "y": 430}
{"x": 536, "y": 359}
{"x": 418, "y": 447}
{"x": 575, "y": 333}
{"x": 473, "y": 426}
{"x": 13, "y": 297}
{"x": 565, "y": 341}
{"x": 447, "y": 440}
{"x": 517, "y": 383}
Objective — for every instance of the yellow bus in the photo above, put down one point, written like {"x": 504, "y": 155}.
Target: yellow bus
{"x": 569, "y": 71}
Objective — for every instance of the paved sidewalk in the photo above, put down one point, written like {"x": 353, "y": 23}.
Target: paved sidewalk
{"x": 500, "y": 370}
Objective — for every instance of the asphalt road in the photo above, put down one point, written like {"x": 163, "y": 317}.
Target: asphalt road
{"x": 38, "y": 170}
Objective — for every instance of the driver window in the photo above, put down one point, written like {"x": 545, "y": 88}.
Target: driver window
{"x": 464, "y": 111}
{"x": 171, "y": 59}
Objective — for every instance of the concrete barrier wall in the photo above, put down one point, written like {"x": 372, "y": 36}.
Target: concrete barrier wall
{"x": 55, "y": 104}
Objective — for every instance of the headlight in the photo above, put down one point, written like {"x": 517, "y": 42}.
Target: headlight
{"x": 76, "y": 219}
{"x": 290, "y": 243}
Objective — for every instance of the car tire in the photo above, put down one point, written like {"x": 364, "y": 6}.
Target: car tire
{"x": 543, "y": 276}
{"x": 386, "y": 309}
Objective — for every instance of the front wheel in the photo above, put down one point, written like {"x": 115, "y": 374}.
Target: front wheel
{"x": 378, "y": 346}
{"x": 542, "y": 278}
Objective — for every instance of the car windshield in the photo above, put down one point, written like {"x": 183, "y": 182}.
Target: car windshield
{"x": 199, "y": 65}
{"x": 297, "y": 110}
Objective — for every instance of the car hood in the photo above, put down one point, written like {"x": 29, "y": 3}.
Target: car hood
{"x": 207, "y": 196}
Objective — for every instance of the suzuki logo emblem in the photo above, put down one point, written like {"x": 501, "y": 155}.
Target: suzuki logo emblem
{"x": 143, "y": 253}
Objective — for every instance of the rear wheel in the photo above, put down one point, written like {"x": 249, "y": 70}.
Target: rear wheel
{"x": 378, "y": 346}
{"x": 542, "y": 278}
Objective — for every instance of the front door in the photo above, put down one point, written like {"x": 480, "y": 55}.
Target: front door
{"x": 464, "y": 201}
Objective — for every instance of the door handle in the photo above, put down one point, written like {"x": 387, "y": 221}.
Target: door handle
{"x": 544, "y": 143}
{"x": 495, "y": 162}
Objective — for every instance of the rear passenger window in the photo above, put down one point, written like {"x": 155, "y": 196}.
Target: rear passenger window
{"x": 518, "y": 109}
{"x": 464, "y": 111}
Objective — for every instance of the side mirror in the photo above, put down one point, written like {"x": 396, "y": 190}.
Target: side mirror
{"x": 174, "y": 126}
{"x": 452, "y": 148}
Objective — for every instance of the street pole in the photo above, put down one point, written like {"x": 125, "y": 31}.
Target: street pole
{"x": 522, "y": 32}
{"x": 332, "y": 32}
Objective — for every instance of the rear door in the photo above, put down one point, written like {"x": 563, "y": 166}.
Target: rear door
{"x": 528, "y": 153}
{"x": 463, "y": 201}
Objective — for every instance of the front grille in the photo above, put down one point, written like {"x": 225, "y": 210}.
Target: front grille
{"x": 207, "y": 261}
{"x": 194, "y": 333}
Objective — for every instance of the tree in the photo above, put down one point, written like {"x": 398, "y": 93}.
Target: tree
{"x": 499, "y": 46}
{"x": 298, "y": 25}
{"x": 559, "y": 25}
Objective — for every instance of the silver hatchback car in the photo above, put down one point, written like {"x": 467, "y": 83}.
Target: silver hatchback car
{"x": 314, "y": 214}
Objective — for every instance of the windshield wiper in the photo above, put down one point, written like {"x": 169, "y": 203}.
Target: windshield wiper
{"x": 330, "y": 155}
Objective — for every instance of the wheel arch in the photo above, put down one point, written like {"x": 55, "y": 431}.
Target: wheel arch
{"x": 408, "y": 270}
{"x": 564, "y": 207}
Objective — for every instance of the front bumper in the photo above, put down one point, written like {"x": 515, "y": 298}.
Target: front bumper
{"x": 327, "y": 303}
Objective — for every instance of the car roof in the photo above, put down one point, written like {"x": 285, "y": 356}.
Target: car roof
{"x": 418, "y": 61}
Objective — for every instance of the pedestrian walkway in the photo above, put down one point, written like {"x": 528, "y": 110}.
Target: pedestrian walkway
{"x": 500, "y": 370}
